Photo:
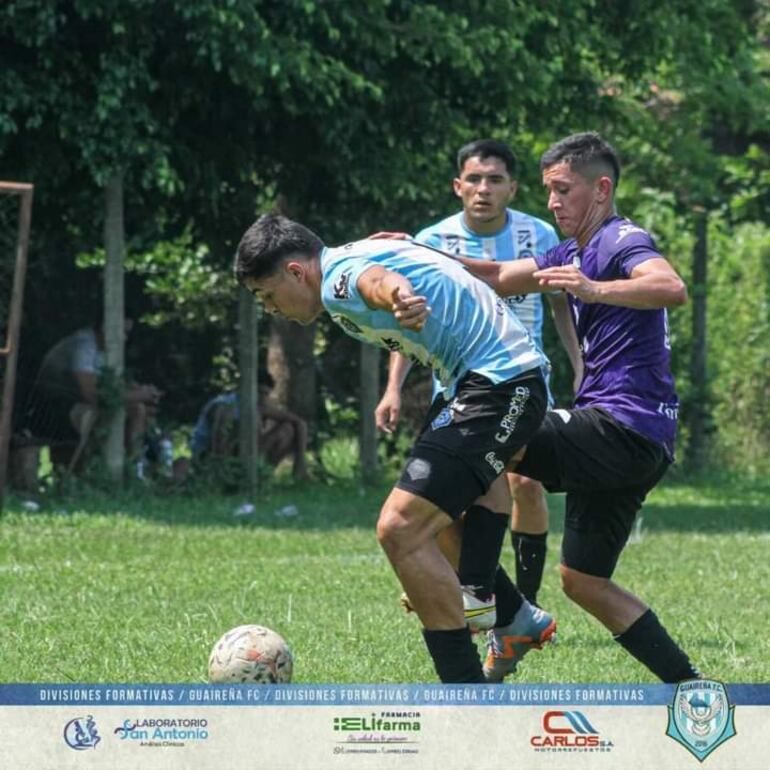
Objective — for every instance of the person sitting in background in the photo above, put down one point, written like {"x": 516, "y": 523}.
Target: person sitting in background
{"x": 280, "y": 433}
{"x": 65, "y": 403}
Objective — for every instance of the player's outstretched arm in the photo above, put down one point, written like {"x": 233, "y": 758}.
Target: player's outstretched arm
{"x": 653, "y": 284}
{"x": 388, "y": 411}
{"x": 506, "y": 278}
{"x": 383, "y": 289}
{"x": 389, "y": 235}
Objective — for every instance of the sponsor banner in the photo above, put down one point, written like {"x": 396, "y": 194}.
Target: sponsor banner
{"x": 702, "y": 723}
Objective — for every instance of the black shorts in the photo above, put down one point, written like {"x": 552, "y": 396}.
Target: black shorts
{"x": 606, "y": 469}
{"x": 465, "y": 443}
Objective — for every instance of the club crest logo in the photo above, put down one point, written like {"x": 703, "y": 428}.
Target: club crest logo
{"x": 701, "y": 717}
{"x": 454, "y": 244}
{"x": 443, "y": 419}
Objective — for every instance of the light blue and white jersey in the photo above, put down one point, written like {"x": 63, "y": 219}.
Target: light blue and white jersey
{"x": 521, "y": 236}
{"x": 469, "y": 328}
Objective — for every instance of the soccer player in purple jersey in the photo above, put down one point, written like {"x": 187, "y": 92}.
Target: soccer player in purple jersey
{"x": 616, "y": 443}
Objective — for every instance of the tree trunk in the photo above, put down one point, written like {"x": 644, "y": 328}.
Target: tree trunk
{"x": 291, "y": 363}
{"x": 114, "y": 322}
{"x": 248, "y": 426}
{"x": 369, "y": 395}
{"x": 11, "y": 350}
{"x": 698, "y": 360}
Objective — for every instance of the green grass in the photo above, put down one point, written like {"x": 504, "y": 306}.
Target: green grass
{"x": 137, "y": 589}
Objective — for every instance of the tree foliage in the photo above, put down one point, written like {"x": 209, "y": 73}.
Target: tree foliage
{"x": 350, "y": 114}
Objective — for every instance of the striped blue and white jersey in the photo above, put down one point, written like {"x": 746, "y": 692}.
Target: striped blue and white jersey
{"x": 522, "y": 236}
{"x": 469, "y": 328}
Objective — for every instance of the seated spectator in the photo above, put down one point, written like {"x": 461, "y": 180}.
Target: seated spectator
{"x": 280, "y": 432}
{"x": 65, "y": 401}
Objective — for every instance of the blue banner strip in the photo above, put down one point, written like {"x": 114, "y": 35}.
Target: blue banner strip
{"x": 359, "y": 694}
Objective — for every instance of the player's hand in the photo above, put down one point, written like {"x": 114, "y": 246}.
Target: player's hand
{"x": 388, "y": 411}
{"x": 411, "y": 311}
{"x": 390, "y": 236}
{"x": 569, "y": 278}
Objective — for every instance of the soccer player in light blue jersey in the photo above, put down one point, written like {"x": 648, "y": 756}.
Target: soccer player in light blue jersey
{"x": 487, "y": 229}
{"x": 491, "y": 398}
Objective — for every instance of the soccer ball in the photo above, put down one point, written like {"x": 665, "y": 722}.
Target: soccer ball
{"x": 250, "y": 655}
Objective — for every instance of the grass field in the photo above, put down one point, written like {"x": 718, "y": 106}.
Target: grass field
{"x": 137, "y": 589}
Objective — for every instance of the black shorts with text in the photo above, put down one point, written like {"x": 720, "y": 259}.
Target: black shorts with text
{"x": 606, "y": 469}
{"x": 466, "y": 442}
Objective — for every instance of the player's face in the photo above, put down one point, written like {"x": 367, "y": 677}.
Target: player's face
{"x": 485, "y": 188}
{"x": 572, "y": 198}
{"x": 288, "y": 293}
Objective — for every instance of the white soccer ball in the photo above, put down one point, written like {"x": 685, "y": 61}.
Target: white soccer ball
{"x": 250, "y": 655}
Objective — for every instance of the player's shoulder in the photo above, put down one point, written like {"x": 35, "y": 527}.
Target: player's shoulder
{"x": 448, "y": 226}
{"x": 354, "y": 257}
{"x": 515, "y": 216}
{"x": 561, "y": 253}
{"x": 351, "y": 249}
{"x": 620, "y": 232}
{"x": 545, "y": 231}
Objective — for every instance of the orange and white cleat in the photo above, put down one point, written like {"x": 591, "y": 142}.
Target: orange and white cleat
{"x": 530, "y": 629}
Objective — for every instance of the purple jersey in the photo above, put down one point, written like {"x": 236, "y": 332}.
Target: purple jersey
{"x": 626, "y": 352}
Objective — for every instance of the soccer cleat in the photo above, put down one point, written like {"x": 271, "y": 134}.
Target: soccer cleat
{"x": 530, "y": 629}
{"x": 480, "y": 614}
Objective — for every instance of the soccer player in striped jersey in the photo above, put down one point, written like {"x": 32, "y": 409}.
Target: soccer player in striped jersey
{"x": 487, "y": 229}
{"x": 491, "y": 398}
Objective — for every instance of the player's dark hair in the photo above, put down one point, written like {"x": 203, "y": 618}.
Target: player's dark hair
{"x": 268, "y": 241}
{"x": 586, "y": 151}
{"x": 488, "y": 148}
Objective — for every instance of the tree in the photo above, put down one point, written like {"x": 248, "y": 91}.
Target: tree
{"x": 114, "y": 313}
{"x": 352, "y": 112}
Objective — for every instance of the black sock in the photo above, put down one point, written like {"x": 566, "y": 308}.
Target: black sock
{"x": 508, "y": 598}
{"x": 483, "y": 534}
{"x": 650, "y": 644}
{"x": 455, "y": 656}
{"x": 530, "y": 561}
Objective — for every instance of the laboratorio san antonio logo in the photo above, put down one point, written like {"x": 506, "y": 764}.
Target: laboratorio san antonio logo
{"x": 701, "y": 717}
{"x": 162, "y": 733}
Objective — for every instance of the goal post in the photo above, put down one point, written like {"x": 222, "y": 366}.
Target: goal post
{"x": 14, "y": 238}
